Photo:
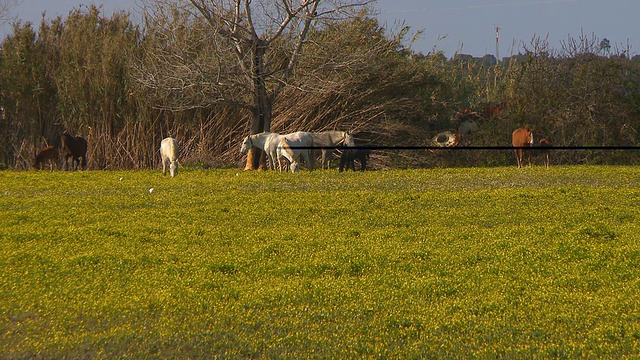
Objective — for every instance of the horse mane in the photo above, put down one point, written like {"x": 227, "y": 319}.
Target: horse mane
{"x": 285, "y": 147}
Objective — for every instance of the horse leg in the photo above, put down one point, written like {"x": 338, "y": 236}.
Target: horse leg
{"x": 343, "y": 160}
{"x": 363, "y": 163}
{"x": 324, "y": 154}
{"x": 273, "y": 158}
{"x": 520, "y": 156}
{"x": 546, "y": 160}
{"x": 308, "y": 157}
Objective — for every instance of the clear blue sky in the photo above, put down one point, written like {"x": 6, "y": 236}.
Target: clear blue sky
{"x": 469, "y": 24}
{"x": 464, "y": 26}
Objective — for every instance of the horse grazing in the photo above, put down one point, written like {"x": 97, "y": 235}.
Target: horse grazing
{"x": 296, "y": 145}
{"x": 74, "y": 147}
{"x": 169, "y": 154}
{"x": 277, "y": 146}
{"x": 546, "y": 145}
{"x": 331, "y": 139}
{"x": 520, "y": 139}
{"x": 350, "y": 155}
{"x": 49, "y": 153}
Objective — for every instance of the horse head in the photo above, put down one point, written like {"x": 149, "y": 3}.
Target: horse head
{"x": 246, "y": 145}
{"x": 348, "y": 140}
{"x": 173, "y": 168}
{"x": 529, "y": 130}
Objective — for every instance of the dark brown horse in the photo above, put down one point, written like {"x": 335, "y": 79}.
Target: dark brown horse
{"x": 74, "y": 147}
{"x": 546, "y": 146}
{"x": 520, "y": 139}
{"x": 50, "y": 154}
{"x": 347, "y": 160}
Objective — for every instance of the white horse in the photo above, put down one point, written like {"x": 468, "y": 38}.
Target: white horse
{"x": 169, "y": 153}
{"x": 331, "y": 139}
{"x": 266, "y": 141}
{"x": 277, "y": 146}
{"x": 295, "y": 145}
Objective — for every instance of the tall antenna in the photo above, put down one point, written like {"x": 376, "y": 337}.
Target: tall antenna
{"x": 497, "y": 27}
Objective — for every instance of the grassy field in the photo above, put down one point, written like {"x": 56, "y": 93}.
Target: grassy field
{"x": 440, "y": 263}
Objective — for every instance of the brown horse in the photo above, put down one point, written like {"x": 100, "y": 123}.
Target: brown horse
{"x": 494, "y": 110}
{"x": 49, "y": 153}
{"x": 546, "y": 145}
{"x": 520, "y": 139}
{"x": 76, "y": 148}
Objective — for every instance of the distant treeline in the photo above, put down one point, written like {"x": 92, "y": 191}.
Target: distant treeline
{"x": 85, "y": 74}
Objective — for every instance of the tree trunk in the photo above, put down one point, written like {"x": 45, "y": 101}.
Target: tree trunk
{"x": 263, "y": 106}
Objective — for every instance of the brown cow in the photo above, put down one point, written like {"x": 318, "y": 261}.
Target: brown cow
{"x": 49, "y": 153}
{"x": 520, "y": 139}
{"x": 546, "y": 145}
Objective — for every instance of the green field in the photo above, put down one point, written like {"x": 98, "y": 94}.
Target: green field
{"x": 439, "y": 263}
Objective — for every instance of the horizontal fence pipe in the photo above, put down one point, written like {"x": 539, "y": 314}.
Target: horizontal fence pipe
{"x": 384, "y": 147}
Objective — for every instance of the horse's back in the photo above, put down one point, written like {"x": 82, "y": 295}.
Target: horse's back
{"x": 169, "y": 148}
{"x": 544, "y": 142}
{"x": 299, "y": 137}
{"x": 47, "y": 153}
{"x": 521, "y": 137}
{"x": 322, "y": 138}
{"x": 74, "y": 145}
{"x": 331, "y": 137}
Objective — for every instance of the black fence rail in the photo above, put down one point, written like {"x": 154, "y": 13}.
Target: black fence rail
{"x": 402, "y": 147}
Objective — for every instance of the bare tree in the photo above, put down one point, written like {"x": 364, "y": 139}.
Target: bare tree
{"x": 236, "y": 52}
{"x": 5, "y": 9}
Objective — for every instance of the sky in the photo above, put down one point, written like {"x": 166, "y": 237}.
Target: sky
{"x": 456, "y": 26}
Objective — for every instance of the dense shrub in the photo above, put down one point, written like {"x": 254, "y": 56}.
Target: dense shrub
{"x": 83, "y": 75}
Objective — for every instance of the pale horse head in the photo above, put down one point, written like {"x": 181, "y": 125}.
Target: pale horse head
{"x": 173, "y": 168}
{"x": 348, "y": 139}
{"x": 295, "y": 166}
{"x": 246, "y": 145}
